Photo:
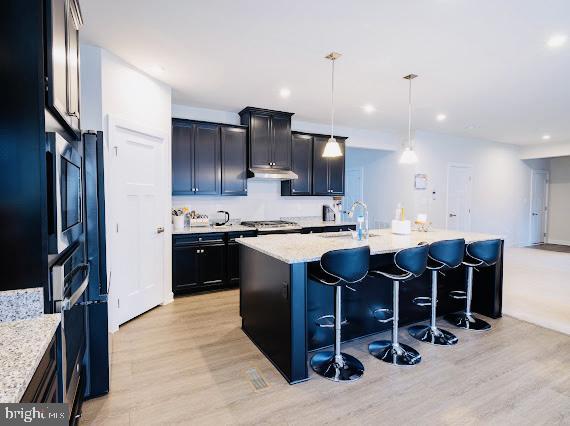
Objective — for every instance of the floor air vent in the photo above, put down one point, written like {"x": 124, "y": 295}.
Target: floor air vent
{"x": 256, "y": 380}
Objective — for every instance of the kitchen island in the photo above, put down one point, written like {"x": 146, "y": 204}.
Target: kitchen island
{"x": 283, "y": 310}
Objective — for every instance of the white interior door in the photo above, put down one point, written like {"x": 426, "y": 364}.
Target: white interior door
{"x": 459, "y": 179}
{"x": 354, "y": 188}
{"x": 138, "y": 220}
{"x": 538, "y": 204}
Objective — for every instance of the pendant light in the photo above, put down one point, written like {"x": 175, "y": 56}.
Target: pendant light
{"x": 332, "y": 147}
{"x": 409, "y": 155}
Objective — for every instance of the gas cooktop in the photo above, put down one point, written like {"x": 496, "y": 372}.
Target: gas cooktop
{"x": 269, "y": 225}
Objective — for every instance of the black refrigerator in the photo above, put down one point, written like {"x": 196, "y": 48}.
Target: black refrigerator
{"x": 96, "y": 361}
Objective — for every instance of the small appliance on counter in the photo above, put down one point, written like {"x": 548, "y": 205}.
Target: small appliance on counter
{"x": 225, "y": 220}
{"x": 329, "y": 214}
{"x": 338, "y": 210}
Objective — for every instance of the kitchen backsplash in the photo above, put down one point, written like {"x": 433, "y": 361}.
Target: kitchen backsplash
{"x": 264, "y": 201}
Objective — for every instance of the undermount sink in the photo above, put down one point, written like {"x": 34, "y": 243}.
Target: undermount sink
{"x": 344, "y": 234}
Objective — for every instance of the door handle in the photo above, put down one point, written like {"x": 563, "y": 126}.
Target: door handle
{"x": 452, "y": 215}
{"x": 160, "y": 230}
{"x": 535, "y": 214}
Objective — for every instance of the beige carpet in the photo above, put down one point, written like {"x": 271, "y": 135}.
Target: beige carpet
{"x": 537, "y": 287}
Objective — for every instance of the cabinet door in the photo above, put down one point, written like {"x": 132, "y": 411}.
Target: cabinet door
{"x": 260, "y": 141}
{"x": 320, "y": 167}
{"x": 281, "y": 130}
{"x": 182, "y": 159}
{"x": 73, "y": 66}
{"x": 302, "y": 164}
{"x": 233, "y": 264}
{"x": 234, "y": 160}
{"x": 336, "y": 172}
{"x": 206, "y": 159}
{"x": 185, "y": 274}
{"x": 212, "y": 265}
{"x": 56, "y": 52}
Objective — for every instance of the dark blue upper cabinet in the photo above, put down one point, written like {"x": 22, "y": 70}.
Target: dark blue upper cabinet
{"x": 63, "y": 19}
{"x": 328, "y": 173}
{"x": 208, "y": 158}
{"x": 234, "y": 160}
{"x": 269, "y": 138}
{"x": 302, "y": 165}
{"x": 206, "y": 167}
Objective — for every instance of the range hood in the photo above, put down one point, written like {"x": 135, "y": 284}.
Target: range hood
{"x": 275, "y": 174}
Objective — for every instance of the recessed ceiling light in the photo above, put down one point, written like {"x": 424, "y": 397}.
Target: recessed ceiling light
{"x": 557, "y": 40}
{"x": 285, "y": 93}
{"x": 368, "y": 108}
{"x": 545, "y": 137}
{"x": 440, "y": 117}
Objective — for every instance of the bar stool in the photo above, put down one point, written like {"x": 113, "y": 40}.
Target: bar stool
{"x": 339, "y": 268}
{"x": 408, "y": 263}
{"x": 442, "y": 256}
{"x": 477, "y": 254}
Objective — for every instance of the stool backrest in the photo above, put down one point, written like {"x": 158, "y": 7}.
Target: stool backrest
{"x": 486, "y": 251}
{"x": 413, "y": 260}
{"x": 350, "y": 265}
{"x": 448, "y": 252}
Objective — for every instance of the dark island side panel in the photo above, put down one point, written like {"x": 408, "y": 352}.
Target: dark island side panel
{"x": 273, "y": 310}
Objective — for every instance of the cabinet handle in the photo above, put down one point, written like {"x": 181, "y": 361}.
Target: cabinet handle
{"x": 199, "y": 238}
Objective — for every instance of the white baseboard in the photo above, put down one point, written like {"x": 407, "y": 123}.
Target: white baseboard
{"x": 168, "y": 299}
{"x": 560, "y": 242}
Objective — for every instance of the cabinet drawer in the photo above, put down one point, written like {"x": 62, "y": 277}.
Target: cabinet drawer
{"x": 241, "y": 234}
{"x": 184, "y": 240}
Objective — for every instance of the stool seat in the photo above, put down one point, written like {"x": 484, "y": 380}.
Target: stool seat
{"x": 408, "y": 263}
{"x": 338, "y": 268}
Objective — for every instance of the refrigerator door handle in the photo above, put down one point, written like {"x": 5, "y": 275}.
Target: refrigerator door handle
{"x": 67, "y": 303}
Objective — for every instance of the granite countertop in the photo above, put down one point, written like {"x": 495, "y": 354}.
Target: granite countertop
{"x": 299, "y": 248}
{"x": 22, "y": 345}
{"x": 209, "y": 229}
{"x": 303, "y": 223}
{"x": 21, "y": 304}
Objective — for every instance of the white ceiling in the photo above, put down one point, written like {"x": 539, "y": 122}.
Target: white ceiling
{"x": 485, "y": 64}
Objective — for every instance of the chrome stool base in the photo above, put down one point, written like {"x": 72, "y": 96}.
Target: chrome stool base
{"x": 435, "y": 336}
{"x": 397, "y": 354}
{"x": 467, "y": 322}
{"x": 324, "y": 364}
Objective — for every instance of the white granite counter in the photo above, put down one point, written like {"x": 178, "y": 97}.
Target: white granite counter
{"x": 22, "y": 346}
{"x": 298, "y": 248}
{"x": 21, "y": 304}
{"x": 209, "y": 229}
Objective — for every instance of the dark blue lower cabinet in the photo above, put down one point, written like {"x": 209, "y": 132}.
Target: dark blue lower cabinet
{"x": 198, "y": 266}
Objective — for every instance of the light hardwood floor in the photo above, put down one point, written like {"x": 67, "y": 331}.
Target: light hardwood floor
{"x": 187, "y": 363}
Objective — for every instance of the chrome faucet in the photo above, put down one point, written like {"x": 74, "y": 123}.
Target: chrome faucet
{"x": 364, "y": 207}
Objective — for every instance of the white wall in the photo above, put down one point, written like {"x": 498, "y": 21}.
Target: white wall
{"x": 559, "y": 201}
{"x": 112, "y": 88}
{"x": 501, "y": 183}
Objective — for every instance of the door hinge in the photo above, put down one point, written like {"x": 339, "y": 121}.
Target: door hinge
{"x": 118, "y": 303}
{"x": 545, "y": 234}
{"x": 545, "y": 208}
{"x": 116, "y": 148}
{"x": 117, "y": 228}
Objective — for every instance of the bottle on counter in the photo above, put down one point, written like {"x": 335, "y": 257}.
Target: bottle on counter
{"x": 360, "y": 231}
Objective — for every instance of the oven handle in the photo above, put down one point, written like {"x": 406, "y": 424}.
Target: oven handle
{"x": 67, "y": 303}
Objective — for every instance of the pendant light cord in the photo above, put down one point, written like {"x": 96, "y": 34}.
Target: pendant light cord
{"x": 410, "y": 116}
{"x": 332, "y": 100}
